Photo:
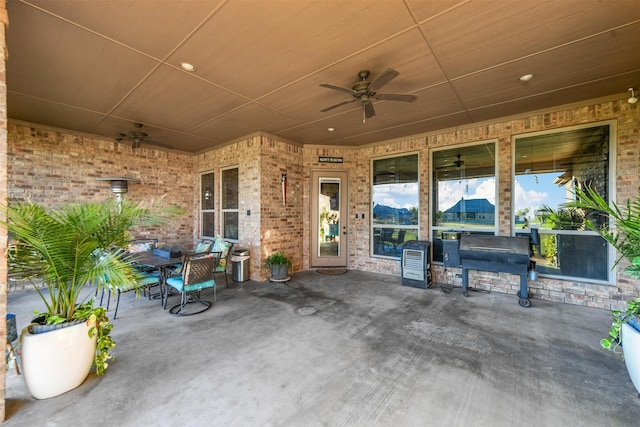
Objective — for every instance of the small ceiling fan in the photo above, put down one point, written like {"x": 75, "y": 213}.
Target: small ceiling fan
{"x": 138, "y": 137}
{"x": 365, "y": 91}
{"x": 456, "y": 163}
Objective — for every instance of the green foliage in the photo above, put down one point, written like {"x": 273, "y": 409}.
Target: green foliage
{"x": 100, "y": 326}
{"x": 277, "y": 258}
{"x": 624, "y": 232}
{"x": 624, "y": 235}
{"x": 613, "y": 340}
{"x": 74, "y": 245}
{"x": 551, "y": 250}
{"x": 569, "y": 218}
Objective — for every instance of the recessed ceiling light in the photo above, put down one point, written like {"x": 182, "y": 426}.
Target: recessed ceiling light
{"x": 187, "y": 66}
{"x": 526, "y": 77}
{"x": 330, "y": 129}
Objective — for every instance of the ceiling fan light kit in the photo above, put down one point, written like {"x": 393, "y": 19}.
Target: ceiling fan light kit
{"x": 137, "y": 137}
{"x": 364, "y": 91}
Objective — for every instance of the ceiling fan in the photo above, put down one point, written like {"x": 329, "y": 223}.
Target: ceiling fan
{"x": 456, "y": 163}
{"x": 138, "y": 137}
{"x": 364, "y": 91}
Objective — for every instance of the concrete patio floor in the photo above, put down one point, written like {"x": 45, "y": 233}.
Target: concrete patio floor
{"x": 355, "y": 349}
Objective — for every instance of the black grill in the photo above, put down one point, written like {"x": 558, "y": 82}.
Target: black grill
{"x": 498, "y": 254}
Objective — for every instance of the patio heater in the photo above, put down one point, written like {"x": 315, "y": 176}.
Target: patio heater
{"x": 119, "y": 186}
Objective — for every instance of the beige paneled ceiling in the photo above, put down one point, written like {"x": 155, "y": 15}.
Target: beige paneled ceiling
{"x": 99, "y": 67}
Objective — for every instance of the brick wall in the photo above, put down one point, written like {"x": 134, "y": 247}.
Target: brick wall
{"x": 52, "y": 165}
{"x": 357, "y": 161}
{"x": 245, "y": 155}
{"x": 4, "y": 20}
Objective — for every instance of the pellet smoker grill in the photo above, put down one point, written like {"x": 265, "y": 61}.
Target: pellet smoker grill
{"x": 496, "y": 254}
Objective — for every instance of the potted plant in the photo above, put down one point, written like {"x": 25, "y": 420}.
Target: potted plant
{"x": 279, "y": 265}
{"x": 624, "y": 236}
{"x": 60, "y": 251}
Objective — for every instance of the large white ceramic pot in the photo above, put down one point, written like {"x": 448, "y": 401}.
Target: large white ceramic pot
{"x": 631, "y": 350}
{"x": 57, "y": 361}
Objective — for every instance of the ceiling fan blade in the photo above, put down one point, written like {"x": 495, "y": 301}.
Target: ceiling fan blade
{"x": 396, "y": 97}
{"x": 368, "y": 109}
{"x": 384, "y": 78}
{"x": 339, "y": 104}
{"x": 338, "y": 88}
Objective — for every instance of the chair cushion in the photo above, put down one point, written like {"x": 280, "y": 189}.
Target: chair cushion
{"x": 176, "y": 282}
{"x": 200, "y": 285}
{"x": 140, "y": 247}
{"x": 220, "y": 245}
{"x": 149, "y": 280}
{"x": 202, "y": 247}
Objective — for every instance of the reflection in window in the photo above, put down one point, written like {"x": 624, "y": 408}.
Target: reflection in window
{"x": 207, "y": 213}
{"x": 464, "y": 192}
{"x": 395, "y": 201}
{"x": 547, "y": 169}
{"x": 329, "y": 220}
{"x": 230, "y": 203}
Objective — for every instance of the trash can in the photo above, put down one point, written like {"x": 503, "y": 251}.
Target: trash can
{"x": 239, "y": 265}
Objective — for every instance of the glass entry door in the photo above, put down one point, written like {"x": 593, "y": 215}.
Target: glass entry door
{"x": 329, "y": 219}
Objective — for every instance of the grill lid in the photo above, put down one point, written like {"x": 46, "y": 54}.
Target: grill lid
{"x": 505, "y": 249}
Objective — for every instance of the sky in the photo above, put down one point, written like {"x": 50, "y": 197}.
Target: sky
{"x": 396, "y": 195}
{"x": 531, "y": 191}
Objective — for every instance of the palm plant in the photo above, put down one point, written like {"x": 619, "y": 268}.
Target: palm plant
{"x": 74, "y": 245}
{"x": 624, "y": 236}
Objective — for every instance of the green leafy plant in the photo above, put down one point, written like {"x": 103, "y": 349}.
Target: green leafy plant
{"x": 74, "y": 245}
{"x": 565, "y": 218}
{"x": 277, "y": 258}
{"x": 624, "y": 235}
{"x": 100, "y": 327}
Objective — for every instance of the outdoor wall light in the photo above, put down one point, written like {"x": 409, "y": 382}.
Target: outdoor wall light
{"x": 633, "y": 98}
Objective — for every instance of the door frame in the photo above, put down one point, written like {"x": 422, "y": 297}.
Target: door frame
{"x": 315, "y": 260}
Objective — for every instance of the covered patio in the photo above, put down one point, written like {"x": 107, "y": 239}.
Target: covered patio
{"x": 353, "y": 349}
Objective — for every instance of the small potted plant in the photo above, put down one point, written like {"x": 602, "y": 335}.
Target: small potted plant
{"x": 624, "y": 236}
{"x": 65, "y": 249}
{"x": 279, "y": 265}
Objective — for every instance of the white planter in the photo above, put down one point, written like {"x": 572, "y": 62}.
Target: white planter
{"x": 57, "y": 361}
{"x": 631, "y": 350}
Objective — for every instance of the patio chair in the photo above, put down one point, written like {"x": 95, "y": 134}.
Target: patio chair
{"x": 144, "y": 245}
{"x": 205, "y": 245}
{"x": 225, "y": 248}
{"x": 146, "y": 282}
{"x": 197, "y": 274}
{"x": 399, "y": 240}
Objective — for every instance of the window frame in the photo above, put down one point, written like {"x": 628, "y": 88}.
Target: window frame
{"x": 224, "y": 211}
{"x": 611, "y": 194}
{"x": 204, "y": 210}
{"x": 433, "y": 205}
{"x": 373, "y": 225}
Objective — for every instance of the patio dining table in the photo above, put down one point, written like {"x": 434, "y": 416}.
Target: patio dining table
{"x": 162, "y": 264}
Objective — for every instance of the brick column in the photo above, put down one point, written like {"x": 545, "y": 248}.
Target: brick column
{"x": 4, "y": 20}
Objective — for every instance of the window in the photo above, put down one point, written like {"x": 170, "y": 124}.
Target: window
{"x": 229, "y": 203}
{"x": 207, "y": 212}
{"x": 547, "y": 167}
{"x": 395, "y": 202}
{"x": 463, "y": 192}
